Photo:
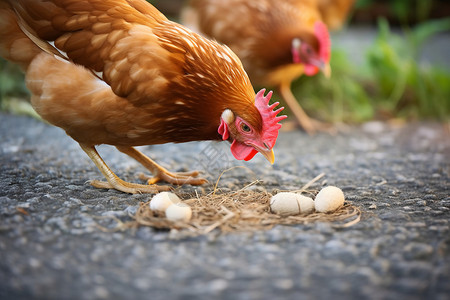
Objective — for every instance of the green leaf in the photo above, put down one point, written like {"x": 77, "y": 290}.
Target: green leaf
{"x": 425, "y": 30}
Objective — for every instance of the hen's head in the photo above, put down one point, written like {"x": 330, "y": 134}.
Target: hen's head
{"x": 314, "y": 52}
{"x": 246, "y": 138}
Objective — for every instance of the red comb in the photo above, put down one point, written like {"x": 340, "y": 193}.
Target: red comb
{"x": 321, "y": 31}
{"x": 322, "y": 35}
{"x": 269, "y": 117}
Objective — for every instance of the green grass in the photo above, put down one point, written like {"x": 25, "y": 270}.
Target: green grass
{"x": 11, "y": 81}
{"x": 340, "y": 98}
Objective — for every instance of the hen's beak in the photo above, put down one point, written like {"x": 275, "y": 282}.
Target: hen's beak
{"x": 269, "y": 155}
{"x": 323, "y": 66}
{"x": 326, "y": 70}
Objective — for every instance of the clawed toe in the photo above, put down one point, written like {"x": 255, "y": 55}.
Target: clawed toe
{"x": 178, "y": 178}
{"x": 161, "y": 174}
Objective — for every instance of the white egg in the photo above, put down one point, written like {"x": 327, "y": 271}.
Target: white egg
{"x": 161, "y": 201}
{"x": 329, "y": 199}
{"x": 306, "y": 204}
{"x": 179, "y": 212}
{"x": 288, "y": 204}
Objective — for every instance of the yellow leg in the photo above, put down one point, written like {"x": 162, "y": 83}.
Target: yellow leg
{"x": 305, "y": 122}
{"x": 310, "y": 125}
{"x": 114, "y": 182}
{"x": 160, "y": 173}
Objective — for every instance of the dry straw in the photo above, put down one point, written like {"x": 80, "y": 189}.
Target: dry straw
{"x": 243, "y": 210}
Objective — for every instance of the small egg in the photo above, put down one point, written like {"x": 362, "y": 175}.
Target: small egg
{"x": 329, "y": 199}
{"x": 306, "y": 204}
{"x": 161, "y": 201}
{"x": 288, "y": 204}
{"x": 285, "y": 204}
{"x": 179, "y": 212}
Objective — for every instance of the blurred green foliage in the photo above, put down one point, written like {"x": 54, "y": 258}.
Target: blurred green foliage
{"x": 404, "y": 86}
{"x": 391, "y": 83}
{"x": 13, "y": 92}
{"x": 340, "y": 98}
{"x": 11, "y": 81}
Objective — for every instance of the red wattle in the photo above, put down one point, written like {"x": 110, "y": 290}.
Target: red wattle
{"x": 311, "y": 70}
{"x": 223, "y": 130}
{"x": 242, "y": 152}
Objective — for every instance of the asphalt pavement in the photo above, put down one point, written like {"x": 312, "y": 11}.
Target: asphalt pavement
{"x": 398, "y": 175}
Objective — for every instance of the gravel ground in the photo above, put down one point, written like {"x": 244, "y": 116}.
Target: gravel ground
{"x": 51, "y": 247}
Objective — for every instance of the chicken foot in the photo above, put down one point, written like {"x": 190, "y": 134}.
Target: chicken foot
{"x": 114, "y": 182}
{"x": 308, "y": 124}
{"x": 159, "y": 172}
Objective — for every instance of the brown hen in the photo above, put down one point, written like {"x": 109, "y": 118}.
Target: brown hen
{"x": 277, "y": 41}
{"x": 120, "y": 73}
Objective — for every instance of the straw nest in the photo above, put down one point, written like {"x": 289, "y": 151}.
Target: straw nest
{"x": 243, "y": 210}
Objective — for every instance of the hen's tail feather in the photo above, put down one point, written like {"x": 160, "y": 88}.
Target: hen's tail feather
{"x": 15, "y": 46}
{"x": 18, "y": 42}
{"x": 43, "y": 45}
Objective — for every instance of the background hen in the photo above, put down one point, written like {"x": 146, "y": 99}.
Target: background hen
{"x": 120, "y": 73}
{"x": 277, "y": 41}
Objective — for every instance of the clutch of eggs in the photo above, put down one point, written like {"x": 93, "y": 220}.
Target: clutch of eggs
{"x": 329, "y": 199}
{"x": 288, "y": 204}
{"x": 171, "y": 204}
{"x": 161, "y": 201}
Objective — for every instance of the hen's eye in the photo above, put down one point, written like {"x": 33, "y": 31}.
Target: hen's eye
{"x": 245, "y": 127}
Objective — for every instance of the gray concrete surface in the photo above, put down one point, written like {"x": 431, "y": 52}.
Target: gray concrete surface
{"x": 398, "y": 175}
{"x": 51, "y": 248}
